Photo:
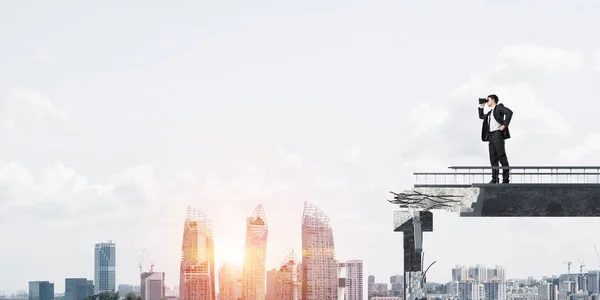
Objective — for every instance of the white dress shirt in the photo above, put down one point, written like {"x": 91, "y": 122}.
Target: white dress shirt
{"x": 494, "y": 125}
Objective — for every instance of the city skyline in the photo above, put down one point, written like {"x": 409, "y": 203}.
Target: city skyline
{"x": 311, "y": 212}
{"x": 462, "y": 277}
{"x": 116, "y": 117}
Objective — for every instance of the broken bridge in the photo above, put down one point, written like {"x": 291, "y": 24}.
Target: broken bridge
{"x": 534, "y": 191}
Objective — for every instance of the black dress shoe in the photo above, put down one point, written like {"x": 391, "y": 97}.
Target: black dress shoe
{"x": 505, "y": 182}
{"x": 494, "y": 181}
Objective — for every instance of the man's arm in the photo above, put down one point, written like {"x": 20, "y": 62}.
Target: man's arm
{"x": 507, "y": 115}
{"x": 481, "y": 115}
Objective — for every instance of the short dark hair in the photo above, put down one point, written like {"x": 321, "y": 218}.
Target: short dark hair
{"x": 494, "y": 97}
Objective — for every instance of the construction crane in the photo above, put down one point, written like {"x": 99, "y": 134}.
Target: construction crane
{"x": 581, "y": 263}
{"x": 568, "y": 267}
{"x": 144, "y": 258}
{"x": 597, "y": 255}
{"x": 569, "y": 281}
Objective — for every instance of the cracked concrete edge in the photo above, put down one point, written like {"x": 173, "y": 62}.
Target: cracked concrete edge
{"x": 401, "y": 217}
{"x": 469, "y": 196}
{"x": 415, "y": 289}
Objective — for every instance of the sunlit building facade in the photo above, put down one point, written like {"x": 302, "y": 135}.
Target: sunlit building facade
{"x": 230, "y": 279}
{"x": 319, "y": 267}
{"x": 255, "y": 254}
{"x": 289, "y": 278}
{"x": 197, "y": 274}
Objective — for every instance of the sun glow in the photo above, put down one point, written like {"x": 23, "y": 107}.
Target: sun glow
{"x": 234, "y": 256}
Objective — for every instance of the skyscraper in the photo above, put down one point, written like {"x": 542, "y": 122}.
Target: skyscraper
{"x": 41, "y": 290}
{"x": 498, "y": 272}
{"x": 230, "y": 279}
{"x": 197, "y": 277}
{"x": 342, "y": 281}
{"x": 353, "y": 279}
{"x": 593, "y": 281}
{"x": 468, "y": 289}
{"x": 272, "y": 285}
{"x": 154, "y": 286}
{"x": 495, "y": 289}
{"x": 478, "y": 273}
{"x": 143, "y": 277}
{"x": 460, "y": 273}
{"x": 255, "y": 254}
{"x": 78, "y": 288}
{"x": 319, "y": 267}
{"x": 397, "y": 285}
{"x": 289, "y": 278}
{"x": 104, "y": 267}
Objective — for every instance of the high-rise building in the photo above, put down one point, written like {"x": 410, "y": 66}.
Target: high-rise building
{"x": 495, "y": 289}
{"x": 397, "y": 285}
{"x": 460, "y": 273}
{"x": 153, "y": 286}
{"x": 104, "y": 267}
{"x": 478, "y": 273}
{"x": 593, "y": 282}
{"x": 498, "y": 272}
{"x": 197, "y": 277}
{"x": 319, "y": 267}
{"x": 342, "y": 274}
{"x": 143, "y": 277}
{"x": 289, "y": 278}
{"x": 255, "y": 254}
{"x": 78, "y": 288}
{"x": 353, "y": 279}
{"x": 272, "y": 285}
{"x": 581, "y": 280}
{"x": 547, "y": 291}
{"x": 469, "y": 290}
{"x": 41, "y": 290}
{"x": 230, "y": 282}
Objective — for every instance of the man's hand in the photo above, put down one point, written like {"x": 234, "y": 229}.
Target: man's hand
{"x": 502, "y": 127}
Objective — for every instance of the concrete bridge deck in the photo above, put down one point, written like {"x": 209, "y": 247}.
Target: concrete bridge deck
{"x": 561, "y": 191}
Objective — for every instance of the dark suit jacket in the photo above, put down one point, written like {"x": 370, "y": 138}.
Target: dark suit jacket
{"x": 502, "y": 114}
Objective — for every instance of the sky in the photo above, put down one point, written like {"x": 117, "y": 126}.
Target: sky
{"x": 114, "y": 117}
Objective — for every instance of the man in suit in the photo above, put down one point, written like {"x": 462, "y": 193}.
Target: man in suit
{"x": 495, "y": 131}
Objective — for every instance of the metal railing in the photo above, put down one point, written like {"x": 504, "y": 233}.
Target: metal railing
{"x": 466, "y": 176}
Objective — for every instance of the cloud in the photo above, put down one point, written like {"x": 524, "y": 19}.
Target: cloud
{"x": 596, "y": 61}
{"x": 140, "y": 177}
{"x": 532, "y": 116}
{"x": 30, "y": 109}
{"x": 586, "y": 151}
{"x": 44, "y": 56}
{"x": 531, "y": 57}
{"x": 426, "y": 117}
{"x": 350, "y": 155}
{"x": 71, "y": 192}
{"x": 16, "y": 182}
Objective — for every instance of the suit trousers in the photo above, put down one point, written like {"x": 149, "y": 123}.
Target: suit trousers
{"x": 498, "y": 155}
